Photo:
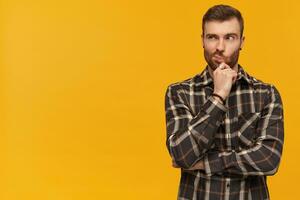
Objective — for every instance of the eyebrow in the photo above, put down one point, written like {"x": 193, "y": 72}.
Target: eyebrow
{"x": 228, "y": 34}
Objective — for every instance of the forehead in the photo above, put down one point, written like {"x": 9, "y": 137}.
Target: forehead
{"x": 222, "y": 27}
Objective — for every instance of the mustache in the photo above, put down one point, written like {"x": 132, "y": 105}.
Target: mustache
{"x": 218, "y": 54}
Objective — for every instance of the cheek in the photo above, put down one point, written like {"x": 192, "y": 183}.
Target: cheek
{"x": 232, "y": 50}
{"x": 209, "y": 49}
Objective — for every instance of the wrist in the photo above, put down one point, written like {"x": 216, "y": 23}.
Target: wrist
{"x": 219, "y": 98}
{"x": 221, "y": 94}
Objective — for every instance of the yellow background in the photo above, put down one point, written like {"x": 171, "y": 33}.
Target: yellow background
{"x": 82, "y": 92}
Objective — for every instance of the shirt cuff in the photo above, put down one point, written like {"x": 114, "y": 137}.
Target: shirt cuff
{"x": 213, "y": 107}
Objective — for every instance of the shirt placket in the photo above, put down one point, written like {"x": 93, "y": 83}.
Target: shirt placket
{"x": 227, "y": 130}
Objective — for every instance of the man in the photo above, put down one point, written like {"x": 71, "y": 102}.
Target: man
{"x": 224, "y": 127}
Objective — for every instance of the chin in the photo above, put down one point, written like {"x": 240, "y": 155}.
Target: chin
{"x": 212, "y": 66}
{"x": 215, "y": 65}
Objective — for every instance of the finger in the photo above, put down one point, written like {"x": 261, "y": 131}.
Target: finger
{"x": 219, "y": 68}
{"x": 225, "y": 66}
{"x": 233, "y": 73}
{"x": 234, "y": 76}
{"x": 222, "y": 66}
{"x": 230, "y": 72}
{"x": 234, "y": 79}
{"x": 226, "y": 70}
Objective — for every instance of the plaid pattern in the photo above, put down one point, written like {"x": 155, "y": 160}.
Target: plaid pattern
{"x": 240, "y": 142}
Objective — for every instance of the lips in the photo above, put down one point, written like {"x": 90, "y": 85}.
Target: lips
{"x": 218, "y": 58}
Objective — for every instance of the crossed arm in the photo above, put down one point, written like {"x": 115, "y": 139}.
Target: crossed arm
{"x": 189, "y": 137}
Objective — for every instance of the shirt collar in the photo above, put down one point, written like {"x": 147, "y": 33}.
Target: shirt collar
{"x": 204, "y": 77}
{"x": 242, "y": 74}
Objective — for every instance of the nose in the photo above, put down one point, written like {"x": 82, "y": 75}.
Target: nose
{"x": 221, "y": 45}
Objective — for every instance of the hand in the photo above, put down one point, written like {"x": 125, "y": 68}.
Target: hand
{"x": 224, "y": 77}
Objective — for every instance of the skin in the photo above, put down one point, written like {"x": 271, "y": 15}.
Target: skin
{"x": 222, "y": 42}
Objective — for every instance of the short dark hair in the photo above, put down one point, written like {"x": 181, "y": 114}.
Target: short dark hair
{"x": 222, "y": 13}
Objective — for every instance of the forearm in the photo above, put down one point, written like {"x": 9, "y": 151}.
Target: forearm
{"x": 198, "y": 166}
{"x": 189, "y": 137}
{"x": 263, "y": 156}
{"x": 259, "y": 160}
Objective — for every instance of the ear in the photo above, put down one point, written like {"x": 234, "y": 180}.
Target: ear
{"x": 242, "y": 42}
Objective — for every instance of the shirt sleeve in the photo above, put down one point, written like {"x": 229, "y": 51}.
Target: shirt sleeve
{"x": 190, "y": 136}
{"x": 264, "y": 157}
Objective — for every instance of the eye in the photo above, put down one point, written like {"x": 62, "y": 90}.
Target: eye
{"x": 230, "y": 37}
{"x": 211, "y": 37}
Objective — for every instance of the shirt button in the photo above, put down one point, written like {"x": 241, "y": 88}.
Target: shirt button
{"x": 227, "y": 185}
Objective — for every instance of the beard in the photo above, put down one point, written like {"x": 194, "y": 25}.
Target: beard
{"x": 213, "y": 64}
